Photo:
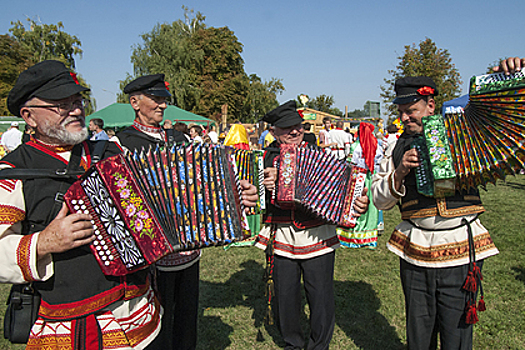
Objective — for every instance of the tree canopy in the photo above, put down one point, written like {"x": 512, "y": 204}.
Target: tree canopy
{"x": 204, "y": 68}
{"x": 323, "y": 103}
{"x": 37, "y": 43}
{"x": 425, "y": 59}
{"x": 13, "y": 60}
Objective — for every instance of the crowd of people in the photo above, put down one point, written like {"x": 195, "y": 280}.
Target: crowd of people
{"x": 43, "y": 246}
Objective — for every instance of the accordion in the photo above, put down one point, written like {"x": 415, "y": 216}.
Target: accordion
{"x": 486, "y": 139}
{"x": 148, "y": 204}
{"x": 320, "y": 183}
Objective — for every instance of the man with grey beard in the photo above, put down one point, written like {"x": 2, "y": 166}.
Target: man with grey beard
{"x": 43, "y": 244}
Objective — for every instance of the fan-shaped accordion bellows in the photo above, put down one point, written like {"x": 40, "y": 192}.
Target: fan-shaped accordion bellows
{"x": 487, "y": 137}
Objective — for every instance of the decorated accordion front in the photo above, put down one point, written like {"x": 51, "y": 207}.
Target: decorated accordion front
{"x": 148, "y": 204}
{"x": 320, "y": 183}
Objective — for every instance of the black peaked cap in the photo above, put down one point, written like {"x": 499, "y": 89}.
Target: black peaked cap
{"x": 284, "y": 116}
{"x": 49, "y": 80}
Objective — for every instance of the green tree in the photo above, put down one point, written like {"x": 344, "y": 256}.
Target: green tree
{"x": 47, "y": 41}
{"x": 261, "y": 98}
{"x": 13, "y": 60}
{"x": 51, "y": 42}
{"x": 204, "y": 68}
{"x": 324, "y": 103}
{"x": 426, "y": 59}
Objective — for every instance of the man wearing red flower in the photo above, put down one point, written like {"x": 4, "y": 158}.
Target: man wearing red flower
{"x": 440, "y": 242}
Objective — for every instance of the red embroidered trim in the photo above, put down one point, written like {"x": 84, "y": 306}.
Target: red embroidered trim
{"x": 306, "y": 249}
{"x": 8, "y": 185}
{"x": 23, "y": 257}
{"x": 9, "y": 215}
{"x": 90, "y": 305}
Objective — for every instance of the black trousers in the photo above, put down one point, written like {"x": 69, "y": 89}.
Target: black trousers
{"x": 435, "y": 303}
{"x": 318, "y": 277}
{"x": 178, "y": 292}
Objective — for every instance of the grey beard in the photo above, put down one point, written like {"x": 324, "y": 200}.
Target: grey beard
{"x": 61, "y": 134}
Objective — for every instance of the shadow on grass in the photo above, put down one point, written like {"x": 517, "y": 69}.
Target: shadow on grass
{"x": 514, "y": 185}
{"x": 520, "y": 273}
{"x": 356, "y": 311}
{"x": 357, "y": 315}
{"x": 244, "y": 288}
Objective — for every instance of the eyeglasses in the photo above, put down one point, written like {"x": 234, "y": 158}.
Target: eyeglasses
{"x": 65, "y": 108}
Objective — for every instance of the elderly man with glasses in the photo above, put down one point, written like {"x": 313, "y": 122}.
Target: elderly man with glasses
{"x": 41, "y": 243}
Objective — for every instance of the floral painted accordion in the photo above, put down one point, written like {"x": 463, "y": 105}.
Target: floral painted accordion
{"x": 148, "y": 204}
{"x": 486, "y": 138}
{"x": 320, "y": 183}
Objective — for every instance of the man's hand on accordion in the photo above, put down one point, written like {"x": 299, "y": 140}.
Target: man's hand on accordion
{"x": 510, "y": 65}
{"x": 270, "y": 177}
{"x": 361, "y": 203}
{"x": 65, "y": 232}
{"x": 249, "y": 194}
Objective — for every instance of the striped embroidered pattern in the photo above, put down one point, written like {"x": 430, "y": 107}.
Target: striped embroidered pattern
{"x": 10, "y": 215}
{"x": 8, "y": 185}
{"x": 23, "y": 257}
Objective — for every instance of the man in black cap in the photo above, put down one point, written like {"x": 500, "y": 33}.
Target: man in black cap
{"x": 302, "y": 245}
{"x": 435, "y": 238}
{"x": 41, "y": 243}
{"x": 178, "y": 273}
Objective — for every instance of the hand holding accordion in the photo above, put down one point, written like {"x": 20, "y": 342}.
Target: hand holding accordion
{"x": 148, "y": 204}
{"x": 322, "y": 184}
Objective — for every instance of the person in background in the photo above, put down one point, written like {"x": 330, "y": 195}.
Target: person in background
{"x": 177, "y": 274}
{"x": 28, "y": 132}
{"x": 42, "y": 243}
{"x": 365, "y": 154}
{"x": 309, "y": 136}
{"x": 96, "y": 126}
{"x": 302, "y": 246}
{"x": 324, "y": 138}
{"x": 181, "y": 132}
{"x": 12, "y": 138}
{"x": 212, "y": 134}
{"x": 263, "y": 136}
{"x": 392, "y": 135}
{"x": 341, "y": 141}
{"x": 196, "y": 133}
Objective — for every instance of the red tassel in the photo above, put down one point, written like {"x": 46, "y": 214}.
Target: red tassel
{"x": 477, "y": 272}
{"x": 470, "y": 283}
{"x": 481, "y": 304}
{"x": 472, "y": 316}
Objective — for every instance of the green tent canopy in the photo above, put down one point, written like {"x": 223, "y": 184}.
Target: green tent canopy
{"x": 121, "y": 114}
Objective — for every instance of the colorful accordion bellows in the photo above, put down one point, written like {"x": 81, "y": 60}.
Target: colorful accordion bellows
{"x": 320, "y": 183}
{"x": 491, "y": 143}
{"x": 487, "y": 137}
{"x": 148, "y": 204}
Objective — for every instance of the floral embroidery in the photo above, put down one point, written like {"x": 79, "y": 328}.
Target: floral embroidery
{"x": 140, "y": 221}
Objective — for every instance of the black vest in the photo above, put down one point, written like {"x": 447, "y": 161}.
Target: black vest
{"x": 78, "y": 287}
{"x": 275, "y": 215}
{"x": 416, "y": 205}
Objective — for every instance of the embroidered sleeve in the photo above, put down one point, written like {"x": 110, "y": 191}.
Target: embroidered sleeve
{"x": 383, "y": 192}
{"x": 17, "y": 252}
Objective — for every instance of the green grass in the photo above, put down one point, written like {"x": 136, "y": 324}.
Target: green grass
{"x": 369, "y": 299}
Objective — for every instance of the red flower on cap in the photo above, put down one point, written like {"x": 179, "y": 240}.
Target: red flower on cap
{"x": 74, "y": 76}
{"x": 426, "y": 91}
{"x": 167, "y": 85}
{"x": 300, "y": 113}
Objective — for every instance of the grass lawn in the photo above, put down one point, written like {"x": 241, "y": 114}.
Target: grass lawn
{"x": 369, "y": 300}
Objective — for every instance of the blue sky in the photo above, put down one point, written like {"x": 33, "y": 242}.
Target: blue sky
{"x": 332, "y": 47}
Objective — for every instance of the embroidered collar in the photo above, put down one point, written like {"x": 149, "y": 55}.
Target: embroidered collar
{"x": 53, "y": 148}
{"x": 148, "y": 129}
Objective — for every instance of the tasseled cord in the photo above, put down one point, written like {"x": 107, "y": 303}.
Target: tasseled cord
{"x": 473, "y": 280}
{"x": 269, "y": 276}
